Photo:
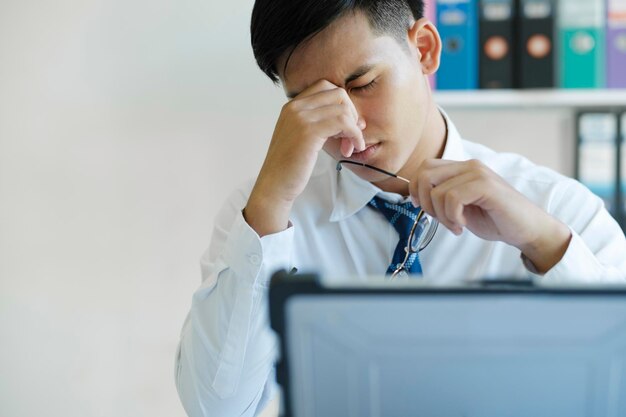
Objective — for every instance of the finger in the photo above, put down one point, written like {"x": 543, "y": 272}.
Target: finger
{"x": 455, "y": 194}
{"x": 347, "y": 147}
{"x": 453, "y": 207}
{"x": 433, "y": 172}
{"x": 437, "y": 199}
{"x": 342, "y": 126}
{"x": 420, "y": 189}
{"x": 317, "y": 87}
{"x": 422, "y": 184}
{"x": 458, "y": 193}
{"x": 328, "y": 111}
{"x": 326, "y": 97}
{"x": 334, "y": 111}
{"x": 437, "y": 171}
{"x": 445, "y": 203}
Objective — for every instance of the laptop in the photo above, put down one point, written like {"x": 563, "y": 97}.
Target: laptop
{"x": 487, "y": 349}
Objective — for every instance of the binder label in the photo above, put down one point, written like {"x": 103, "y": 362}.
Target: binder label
{"x": 497, "y": 11}
{"x": 582, "y": 13}
{"x": 537, "y": 10}
{"x": 597, "y": 164}
{"x": 616, "y": 14}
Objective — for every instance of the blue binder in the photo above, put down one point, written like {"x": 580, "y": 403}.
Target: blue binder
{"x": 458, "y": 26}
{"x": 597, "y": 156}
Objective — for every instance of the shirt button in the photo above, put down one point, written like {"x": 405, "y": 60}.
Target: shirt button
{"x": 254, "y": 259}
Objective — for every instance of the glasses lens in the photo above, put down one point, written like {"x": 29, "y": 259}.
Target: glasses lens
{"x": 424, "y": 233}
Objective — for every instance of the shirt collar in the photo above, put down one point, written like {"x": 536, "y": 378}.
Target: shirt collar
{"x": 351, "y": 193}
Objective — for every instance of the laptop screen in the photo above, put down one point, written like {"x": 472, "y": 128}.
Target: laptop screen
{"x": 457, "y": 353}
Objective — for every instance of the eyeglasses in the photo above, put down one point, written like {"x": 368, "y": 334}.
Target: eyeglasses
{"x": 422, "y": 231}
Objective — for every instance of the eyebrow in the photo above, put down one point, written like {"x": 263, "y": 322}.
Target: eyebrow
{"x": 356, "y": 74}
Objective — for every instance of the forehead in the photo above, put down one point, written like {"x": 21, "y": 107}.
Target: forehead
{"x": 334, "y": 53}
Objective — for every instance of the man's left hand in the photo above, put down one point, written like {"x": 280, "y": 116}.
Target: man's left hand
{"x": 470, "y": 195}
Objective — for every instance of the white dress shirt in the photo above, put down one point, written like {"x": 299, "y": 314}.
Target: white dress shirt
{"x": 225, "y": 359}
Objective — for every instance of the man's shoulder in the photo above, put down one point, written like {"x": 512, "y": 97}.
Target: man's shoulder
{"x": 512, "y": 166}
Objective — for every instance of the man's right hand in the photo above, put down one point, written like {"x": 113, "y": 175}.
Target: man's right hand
{"x": 321, "y": 112}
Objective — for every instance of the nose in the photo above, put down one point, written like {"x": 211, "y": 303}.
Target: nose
{"x": 361, "y": 123}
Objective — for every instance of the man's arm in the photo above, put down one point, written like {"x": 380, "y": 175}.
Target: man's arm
{"x": 319, "y": 113}
{"x": 597, "y": 250}
{"x": 226, "y": 352}
{"x": 227, "y": 349}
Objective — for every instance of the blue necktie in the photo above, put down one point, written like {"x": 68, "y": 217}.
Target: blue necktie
{"x": 402, "y": 217}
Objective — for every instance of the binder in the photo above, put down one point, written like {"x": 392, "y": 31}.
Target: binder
{"x": 597, "y": 156}
{"x": 430, "y": 12}
{"x": 622, "y": 187}
{"x": 616, "y": 44}
{"x": 536, "y": 59}
{"x": 458, "y": 27}
{"x": 582, "y": 43}
{"x": 497, "y": 43}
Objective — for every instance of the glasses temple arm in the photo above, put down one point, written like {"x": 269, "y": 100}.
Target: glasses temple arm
{"x": 343, "y": 161}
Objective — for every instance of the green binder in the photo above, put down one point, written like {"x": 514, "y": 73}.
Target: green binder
{"x": 582, "y": 40}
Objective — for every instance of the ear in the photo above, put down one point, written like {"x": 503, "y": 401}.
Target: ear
{"x": 424, "y": 38}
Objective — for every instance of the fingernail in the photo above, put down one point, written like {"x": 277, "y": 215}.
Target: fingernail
{"x": 361, "y": 124}
{"x": 415, "y": 202}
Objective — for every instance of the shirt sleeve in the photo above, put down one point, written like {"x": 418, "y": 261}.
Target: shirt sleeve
{"x": 224, "y": 365}
{"x": 597, "y": 250}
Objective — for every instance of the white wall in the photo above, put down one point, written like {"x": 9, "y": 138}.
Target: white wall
{"x": 123, "y": 125}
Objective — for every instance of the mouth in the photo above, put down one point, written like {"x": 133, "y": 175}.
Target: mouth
{"x": 365, "y": 154}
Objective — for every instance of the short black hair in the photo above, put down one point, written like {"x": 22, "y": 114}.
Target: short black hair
{"x": 278, "y": 26}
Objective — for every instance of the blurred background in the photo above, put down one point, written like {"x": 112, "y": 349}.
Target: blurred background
{"x": 123, "y": 127}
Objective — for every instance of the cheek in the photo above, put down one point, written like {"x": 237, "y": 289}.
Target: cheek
{"x": 409, "y": 108}
{"x": 387, "y": 113}
{"x": 379, "y": 112}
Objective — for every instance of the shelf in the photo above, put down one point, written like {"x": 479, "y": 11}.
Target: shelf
{"x": 511, "y": 99}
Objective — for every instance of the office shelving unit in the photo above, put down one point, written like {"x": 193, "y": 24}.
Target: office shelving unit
{"x": 521, "y": 99}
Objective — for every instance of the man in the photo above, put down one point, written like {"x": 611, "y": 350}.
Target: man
{"x": 356, "y": 74}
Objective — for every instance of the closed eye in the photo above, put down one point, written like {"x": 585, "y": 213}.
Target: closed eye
{"x": 365, "y": 87}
